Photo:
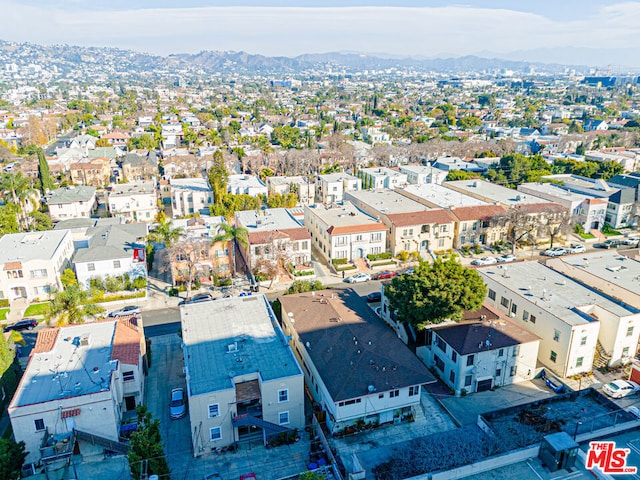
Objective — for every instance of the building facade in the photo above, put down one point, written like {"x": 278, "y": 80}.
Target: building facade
{"x": 133, "y": 202}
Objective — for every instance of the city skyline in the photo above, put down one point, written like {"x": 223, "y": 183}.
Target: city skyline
{"x": 590, "y": 32}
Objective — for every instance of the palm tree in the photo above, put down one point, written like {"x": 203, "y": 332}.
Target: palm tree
{"x": 18, "y": 186}
{"x": 235, "y": 235}
{"x": 163, "y": 233}
{"x": 70, "y": 306}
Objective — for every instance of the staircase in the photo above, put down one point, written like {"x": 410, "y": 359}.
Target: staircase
{"x": 601, "y": 358}
{"x": 598, "y": 234}
{"x": 107, "y": 443}
{"x": 250, "y": 421}
{"x": 361, "y": 264}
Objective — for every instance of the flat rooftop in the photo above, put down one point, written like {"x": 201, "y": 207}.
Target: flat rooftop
{"x": 24, "y": 247}
{"x": 442, "y": 197}
{"x": 387, "y": 201}
{"x": 244, "y": 181}
{"x": 65, "y": 370}
{"x": 491, "y": 192}
{"x": 350, "y": 346}
{"x": 136, "y": 188}
{"x": 230, "y": 337}
{"x": 337, "y": 177}
{"x": 199, "y": 184}
{"x": 382, "y": 172}
{"x": 345, "y": 215}
{"x": 552, "y": 292}
{"x": 554, "y": 191}
{"x": 266, "y": 220}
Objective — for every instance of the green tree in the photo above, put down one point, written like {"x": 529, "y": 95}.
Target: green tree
{"x": 218, "y": 177}
{"x": 9, "y": 219}
{"x": 278, "y": 200}
{"x": 164, "y": 233}
{"x": 17, "y": 186}
{"x": 236, "y": 235}
{"x": 71, "y": 306}
{"x": 286, "y": 136}
{"x": 469, "y": 122}
{"x": 609, "y": 168}
{"x": 68, "y": 278}
{"x": 12, "y": 456}
{"x": 40, "y": 221}
{"x": 302, "y": 286}
{"x": 146, "y": 454}
{"x": 43, "y": 172}
{"x": 580, "y": 149}
{"x": 461, "y": 175}
{"x": 435, "y": 292}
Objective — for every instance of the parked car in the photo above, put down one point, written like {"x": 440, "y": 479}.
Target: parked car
{"x": 384, "y": 274}
{"x": 506, "y": 258}
{"x": 556, "y": 252}
{"x": 631, "y": 241}
{"x": 374, "y": 297}
{"x": 620, "y": 388}
{"x": 178, "y": 406}
{"x": 212, "y": 476}
{"x": 484, "y": 261}
{"x": 128, "y": 310}
{"x": 24, "y": 324}
{"x": 409, "y": 271}
{"x": 608, "y": 244}
{"x": 202, "y": 297}
{"x": 358, "y": 277}
{"x": 577, "y": 249}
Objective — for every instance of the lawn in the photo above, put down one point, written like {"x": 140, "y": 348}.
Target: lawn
{"x": 3, "y": 313}
{"x": 36, "y": 309}
{"x": 586, "y": 236}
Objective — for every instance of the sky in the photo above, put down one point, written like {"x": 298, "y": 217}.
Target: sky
{"x": 594, "y": 32}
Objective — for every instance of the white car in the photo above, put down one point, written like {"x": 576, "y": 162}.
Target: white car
{"x": 577, "y": 249}
{"x": 506, "y": 258}
{"x": 620, "y": 388}
{"x": 631, "y": 241}
{"x": 358, "y": 277}
{"x": 484, "y": 261}
{"x": 555, "y": 252}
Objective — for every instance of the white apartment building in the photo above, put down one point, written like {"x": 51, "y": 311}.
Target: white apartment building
{"x": 344, "y": 231}
{"x": 241, "y": 374}
{"x": 423, "y": 174}
{"x": 330, "y": 188}
{"x": 190, "y": 195}
{"x": 32, "y": 263}
{"x": 82, "y": 377}
{"x": 354, "y": 366}
{"x": 246, "y": 185}
{"x": 71, "y": 202}
{"x": 133, "y": 202}
{"x": 382, "y": 177}
{"x": 412, "y": 227}
{"x": 571, "y": 320}
{"x": 483, "y": 351}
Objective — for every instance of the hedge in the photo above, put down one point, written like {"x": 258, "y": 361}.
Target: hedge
{"x": 379, "y": 256}
{"x": 347, "y": 267}
{"x": 4, "y": 302}
{"x": 304, "y": 273}
{"x": 339, "y": 261}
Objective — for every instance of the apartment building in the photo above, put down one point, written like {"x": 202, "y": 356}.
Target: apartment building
{"x": 133, "y": 202}
{"x": 71, "y": 202}
{"x": 382, "y": 177}
{"x": 302, "y": 187}
{"x": 246, "y": 185}
{"x": 330, "y": 188}
{"x": 423, "y": 174}
{"x": 190, "y": 196}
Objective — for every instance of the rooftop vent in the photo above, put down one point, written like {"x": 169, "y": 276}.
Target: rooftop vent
{"x": 232, "y": 347}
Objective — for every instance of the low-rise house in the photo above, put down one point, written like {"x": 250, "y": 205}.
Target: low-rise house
{"x": 190, "y": 196}
{"x": 133, "y": 202}
{"x": 241, "y": 374}
{"x": 579, "y": 328}
{"x": 32, "y": 263}
{"x": 355, "y": 368}
{"x": 477, "y": 225}
{"x": 304, "y": 189}
{"x": 116, "y": 138}
{"x": 484, "y": 350}
{"x": 412, "y": 227}
{"x": 111, "y": 250}
{"x": 382, "y": 177}
{"x": 139, "y": 167}
{"x": 436, "y": 196}
{"x": 330, "y": 188}
{"x": 88, "y": 377}
{"x": 91, "y": 171}
{"x": 71, "y": 202}
{"x": 344, "y": 232}
{"x": 454, "y": 163}
{"x": 421, "y": 174}
{"x": 246, "y": 185}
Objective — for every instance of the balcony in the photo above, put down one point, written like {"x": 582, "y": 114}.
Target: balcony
{"x": 56, "y": 447}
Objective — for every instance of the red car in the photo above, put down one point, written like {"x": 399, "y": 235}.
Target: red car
{"x": 384, "y": 274}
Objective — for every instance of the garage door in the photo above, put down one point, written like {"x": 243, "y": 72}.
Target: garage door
{"x": 484, "y": 385}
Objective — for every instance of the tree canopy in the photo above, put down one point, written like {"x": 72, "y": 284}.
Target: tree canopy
{"x": 43, "y": 172}
{"x": 435, "y": 292}
{"x": 12, "y": 455}
{"x": 70, "y": 306}
{"x": 218, "y": 177}
{"x": 147, "y": 451}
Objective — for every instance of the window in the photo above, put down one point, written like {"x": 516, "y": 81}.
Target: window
{"x": 215, "y": 433}
{"x": 128, "y": 376}
{"x": 556, "y": 335}
{"x": 513, "y": 371}
{"x": 441, "y": 242}
{"x": 501, "y": 352}
{"x": 454, "y": 356}
{"x": 532, "y": 319}
{"x": 441, "y": 345}
{"x": 516, "y": 351}
{"x": 468, "y": 379}
{"x": 498, "y": 372}
{"x": 283, "y": 395}
{"x": 492, "y": 294}
{"x": 40, "y": 273}
{"x": 283, "y": 418}
{"x": 514, "y": 308}
{"x": 439, "y": 363}
{"x": 583, "y": 341}
{"x": 452, "y": 376}
{"x": 629, "y": 331}
{"x": 579, "y": 361}
{"x": 381, "y": 395}
{"x": 91, "y": 267}
{"x": 470, "y": 360}
{"x": 625, "y": 352}
{"x": 525, "y": 315}
{"x": 394, "y": 393}
{"x": 39, "y": 423}
{"x": 504, "y": 302}
{"x": 553, "y": 356}
{"x": 116, "y": 264}
{"x": 214, "y": 410}
{"x": 414, "y": 390}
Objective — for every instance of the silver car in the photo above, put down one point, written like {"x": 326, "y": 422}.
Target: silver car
{"x": 178, "y": 405}
{"x": 358, "y": 277}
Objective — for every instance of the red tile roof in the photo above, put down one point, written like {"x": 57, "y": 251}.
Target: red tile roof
{"x": 477, "y": 212}
{"x": 368, "y": 227}
{"x": 436, "y": 216}
{"x": 543, "y": 207}
{"x": 12, "y": 265}
{"x": 73, "y": 412}
{"x": 267, "y": 236}
{"x": 46, "y": 340}
{"x": 127, "y": 341}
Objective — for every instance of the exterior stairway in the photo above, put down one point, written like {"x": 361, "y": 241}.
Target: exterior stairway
{"x": 102, "y": 441}
{"x": 249, "y": 420}
{"x": 598, "y": 234}
{"x": 361, "y": 264}
{"x": 601, "y": 358}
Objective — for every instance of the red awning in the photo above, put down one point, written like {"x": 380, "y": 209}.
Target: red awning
{"x": 73, "y": 412}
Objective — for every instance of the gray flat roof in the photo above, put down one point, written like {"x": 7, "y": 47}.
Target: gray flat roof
{"x": 345, "y": 215}
{"x": 381, "y": 172}
{"x": 494, "y": 193}
{"x": 266, "y": 220}
{"x": 136, "y": 188}
{"x": 337, "y": 177}
{"x": 190, "y": 184}
{"x": 66, "y": 370}
{"x": 70, "y": 195}
{"x": 443, "y": 197}
{"x": 23, "y": 247}
{"x": 554, "y": 191}
{"x": 230, "y": 337}
{"x": 387, "y": 201}
{"x": 551, "y": 291}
